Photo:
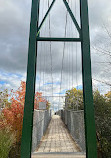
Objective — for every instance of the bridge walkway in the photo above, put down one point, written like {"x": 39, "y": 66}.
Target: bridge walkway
{"x": 57, "y": 141}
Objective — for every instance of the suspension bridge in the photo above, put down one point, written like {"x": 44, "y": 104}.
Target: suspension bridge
{"x": 64, "y": 134}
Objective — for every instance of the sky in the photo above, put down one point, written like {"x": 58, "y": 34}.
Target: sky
{"x": 62, "y": 65}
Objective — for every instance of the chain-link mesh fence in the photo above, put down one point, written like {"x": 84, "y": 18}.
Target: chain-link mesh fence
{"x": 74, "y": 120}
{"x": 40, "y": 124}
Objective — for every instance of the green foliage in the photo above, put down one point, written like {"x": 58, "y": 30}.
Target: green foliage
{"x": 7, "y": 139}
{"x": 15, "y": 150}
{"x": 4, "y": 98}
{"x": 103, "y": 123}
{"x": 74, "y": 99}
{"x": 102, "y": 105}
{"x": 11, "y": 118}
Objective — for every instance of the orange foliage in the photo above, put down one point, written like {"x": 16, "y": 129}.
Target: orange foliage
{"x": 13, "y": 115}
{"x": 39, "y": 98}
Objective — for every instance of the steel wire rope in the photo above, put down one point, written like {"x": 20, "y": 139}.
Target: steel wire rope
{"x": 51, "y": 54}
{"x": 41, "y": 51}
{"x": 47, "y": 46}
{"x": 76, "y": 61}
{"x": 72, "y": 48}
{"x": 64, "y": 46}
{"x": 68, "y": 53}
{"x": 44, "y": 87}
{"x": 70, "y": 44}
{"x": 40, "y": 70}
{"x": 40, "y": 73}
{"x": 39, "y": 86}
{"x": 46, "y": 49}
{"x": 68, "y": 56}
{"x": 67, "y": 69}
{"x": 44, "y": 67}
{"x": 43, "y": 45}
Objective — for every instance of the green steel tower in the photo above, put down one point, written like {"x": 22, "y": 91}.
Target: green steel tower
{"x": 83, "y": 30}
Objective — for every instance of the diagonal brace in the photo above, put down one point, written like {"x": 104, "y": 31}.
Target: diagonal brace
{"x": 45, "y": 16}
{"x": 72, "y": 16}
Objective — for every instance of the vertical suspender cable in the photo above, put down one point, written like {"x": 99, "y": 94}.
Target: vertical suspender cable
{"x": 72, "y": 49}
{"x": 51, "y": 54}
{"x": 69, "y": 46}
{"x": 76, "y": 64}
{"x": 64, "y": 46}
{"x": 43, "y": 54}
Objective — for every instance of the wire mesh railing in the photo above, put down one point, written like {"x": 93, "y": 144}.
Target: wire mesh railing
{"x": 40, "y": 123}
{"x": 74, "y": 120}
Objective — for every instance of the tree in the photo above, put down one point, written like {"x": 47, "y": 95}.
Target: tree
{"x": 11, "y": 118}
{"x": 74, "y": 99}
{"x": 103, "y": 123}
{"x": 3, "y": 99}
{"x": 39, "y": 98}
{"x": 102, "y": 104}
{"x": 12, "y": 115}
{"x": 108, "y": 96}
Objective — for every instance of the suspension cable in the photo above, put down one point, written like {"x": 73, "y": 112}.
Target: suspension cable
{"x": 63, "y": 58}
{"x": 41, "y": 50}
{"x": 51, "y": 53}
{"x": 43, "y": 45}
{"x": 76, "y": 63}
{"x": 72, "y": 49}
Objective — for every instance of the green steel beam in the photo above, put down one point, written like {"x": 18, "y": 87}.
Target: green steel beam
{"x": 90, "y": 131}
{"x": 72, "y": 16}
{"x": 30, "y": 84}
{"x": 45, "y": 16}
{"x": 53, "y": 39}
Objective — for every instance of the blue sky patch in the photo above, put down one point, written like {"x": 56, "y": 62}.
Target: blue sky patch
{"x": 62, "y": 92}
{"x": 2, "y": 82}
{"x": 79, "y": 87}
{"x": 48, "y": 83}
{"x": 54, "y": 83}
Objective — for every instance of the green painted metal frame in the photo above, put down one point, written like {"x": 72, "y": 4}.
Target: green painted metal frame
{"x": 53, "y": 39}
{"x": 90, "y": 131}
{"x": 45, "y": 16}
{"x": 69, "y": 11}
{"x": 72, "y": 16}
{"x": 26, "y": 143}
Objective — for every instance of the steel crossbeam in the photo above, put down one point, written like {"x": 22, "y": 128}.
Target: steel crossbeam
{"x": 53, "y": 39}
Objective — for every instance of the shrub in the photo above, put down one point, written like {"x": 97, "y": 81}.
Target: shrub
{"x": 102, "y": 104}
{"x": 12, "y": 118}
{"x": 7, "y": 139}
{"x": 103, "y": 123}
